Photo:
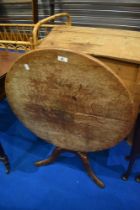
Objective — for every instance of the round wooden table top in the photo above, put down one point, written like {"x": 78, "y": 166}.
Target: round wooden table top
{"x": 71, "y": 100}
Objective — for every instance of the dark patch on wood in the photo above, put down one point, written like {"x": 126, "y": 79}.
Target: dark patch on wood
{"x": 59, "y": 119}
{"x": 54, "y": 116}
{"x": 74, "y": 98}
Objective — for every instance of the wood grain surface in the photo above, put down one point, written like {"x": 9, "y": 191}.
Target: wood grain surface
{"x": 7, "y": 58}
{"x": 110, "y": 43}
{"x": 70, "y": 99}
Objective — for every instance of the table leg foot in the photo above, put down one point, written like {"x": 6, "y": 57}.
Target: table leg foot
{"x": 51, "y": 158}
{"x": 85, "y": 160}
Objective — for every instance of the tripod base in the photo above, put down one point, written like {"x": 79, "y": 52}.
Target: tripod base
{"x": 84, "y": 158}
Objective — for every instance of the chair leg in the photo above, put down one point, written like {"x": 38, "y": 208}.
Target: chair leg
{"x": 4, "y": 159}
{"x": 137, "y": 178}
{"x": 127, "y": 173}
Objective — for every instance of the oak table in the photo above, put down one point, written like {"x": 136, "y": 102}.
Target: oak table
{"x": 78, "y": 89}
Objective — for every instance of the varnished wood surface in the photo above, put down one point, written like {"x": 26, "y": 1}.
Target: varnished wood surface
{"x": 129, "y": 73}
{"x": 79, "y": 105}
{"x": 7, "y": 58}
{"x": 111, "y": 43}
